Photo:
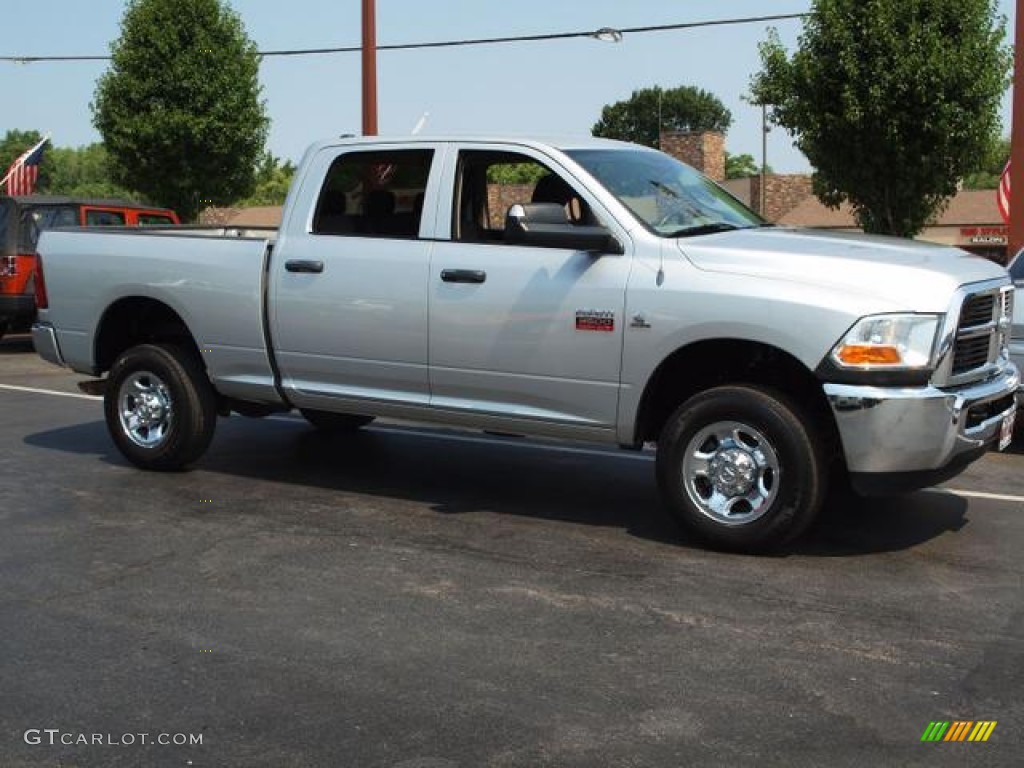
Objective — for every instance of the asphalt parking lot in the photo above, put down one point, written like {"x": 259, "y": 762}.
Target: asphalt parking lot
{"x": 416, "y": 597}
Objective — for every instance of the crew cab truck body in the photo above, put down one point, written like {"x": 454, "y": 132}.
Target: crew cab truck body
{"x": 615, "y": 295}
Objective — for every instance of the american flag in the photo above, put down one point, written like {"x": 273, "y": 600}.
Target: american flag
{"x": 1003, "y": 194}
{"x": 21, "y": 176}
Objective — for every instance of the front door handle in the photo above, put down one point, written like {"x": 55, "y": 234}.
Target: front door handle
{"x": 463, "y": 275}
{"x": 304, "y": 265}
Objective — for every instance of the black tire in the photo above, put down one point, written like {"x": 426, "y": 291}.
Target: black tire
{"x": 742, "y": 468}
{"x": 335, "y": 423}
{"x": 160, "y": 407}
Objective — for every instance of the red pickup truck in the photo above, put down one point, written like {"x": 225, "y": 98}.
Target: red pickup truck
{"x": 21, "y": 220}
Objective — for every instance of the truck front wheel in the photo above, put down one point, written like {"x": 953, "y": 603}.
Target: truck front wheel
{"x": 742, "y": 468}
{"x": 160, "y": 407}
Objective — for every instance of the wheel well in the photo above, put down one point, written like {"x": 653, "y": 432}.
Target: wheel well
{"x": 139, "y": 320}
{"x": 714, "y": 362}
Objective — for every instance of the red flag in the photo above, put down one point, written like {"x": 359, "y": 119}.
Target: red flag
{"x": 1003, "y": 194}
{"x": 21, "y": 176}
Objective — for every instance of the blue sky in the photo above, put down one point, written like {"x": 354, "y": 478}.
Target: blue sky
{"x": 555, "y": 87}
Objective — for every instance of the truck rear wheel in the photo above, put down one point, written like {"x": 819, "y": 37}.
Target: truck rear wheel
{"x": 337, "y": 423}
{"x": 742, "y": 468}
{"x": 160, "y": 407}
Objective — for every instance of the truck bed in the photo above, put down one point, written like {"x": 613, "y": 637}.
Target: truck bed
{"x": 212, "y": 277}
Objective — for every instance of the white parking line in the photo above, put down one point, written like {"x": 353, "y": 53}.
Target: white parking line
{"x": 979, "y": 495}
{"x": 55, "y": 393}
{"x": 474, "y": 440}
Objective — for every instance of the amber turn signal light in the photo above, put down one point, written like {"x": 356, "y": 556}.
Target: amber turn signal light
{"x": 869, "y": 354}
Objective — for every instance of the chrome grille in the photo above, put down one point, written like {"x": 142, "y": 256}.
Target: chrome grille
{"x": 970, "y": 354}
{"x": 982, "y": 332}
{"x": 977, "y": 310}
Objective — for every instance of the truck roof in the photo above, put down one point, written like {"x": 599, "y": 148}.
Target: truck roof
{"x": 553, "y": 142}
{"x": 39, "y": 200}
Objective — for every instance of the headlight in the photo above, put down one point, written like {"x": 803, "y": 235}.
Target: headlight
{"x": 888, "y": 343}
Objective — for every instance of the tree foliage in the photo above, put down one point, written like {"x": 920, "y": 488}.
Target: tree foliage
{"x": 892, "y": 101}
{"x": 273, "y": 178}
{"x": 179, "y": 109}
{"x": 646, "y": 113}
{"x": 990, "y": 168}
{"x": 82, "y": 172}
{"x": 742, "y": 166}
{"x": 515, "y": 173}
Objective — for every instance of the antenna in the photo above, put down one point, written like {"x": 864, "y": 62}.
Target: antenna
{"x": 420, "y": 123}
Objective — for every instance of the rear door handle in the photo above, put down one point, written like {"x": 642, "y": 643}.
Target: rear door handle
{"x": 304, "y": 265}
{"x": 463, "y": 275}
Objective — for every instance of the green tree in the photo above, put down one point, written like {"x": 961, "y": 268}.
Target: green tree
{"x": 515, "y": 173}
{"x": 15, "y": 143}
{"x": 988, "y": 171}
{"x": 82, "y": 172}
{"x": 179, "y": 109}
{"x": 646, "y": 113}
{"x": 742, "y": 166}
{"x": 891, "y": 101}
{"x": 273, "y": 178}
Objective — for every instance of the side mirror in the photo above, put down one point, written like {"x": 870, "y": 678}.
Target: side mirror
{"x": 546, "y": 225}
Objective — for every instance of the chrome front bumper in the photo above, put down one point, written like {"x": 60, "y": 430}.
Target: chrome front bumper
{"x": 1017, "y": 353}
{"x": 920, "y": 430}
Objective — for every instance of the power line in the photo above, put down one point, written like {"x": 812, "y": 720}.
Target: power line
{"x": 604, "y": 33}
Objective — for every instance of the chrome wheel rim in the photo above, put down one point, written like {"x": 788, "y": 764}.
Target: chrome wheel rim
{"x": 145, "y": 409}
{"x": 731, "y": 472}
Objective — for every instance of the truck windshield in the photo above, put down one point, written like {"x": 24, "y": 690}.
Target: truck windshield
{"x": 667, "y": 197}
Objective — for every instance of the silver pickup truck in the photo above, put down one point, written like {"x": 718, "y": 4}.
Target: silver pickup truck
{"x": 612, "y": 294}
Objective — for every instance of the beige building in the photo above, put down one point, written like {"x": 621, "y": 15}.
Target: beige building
{"x": 971, "y": 221}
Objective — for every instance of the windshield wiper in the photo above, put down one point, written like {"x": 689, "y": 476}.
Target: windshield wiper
{"x": 705, "y": 229}
{"x": 664, "y": 189}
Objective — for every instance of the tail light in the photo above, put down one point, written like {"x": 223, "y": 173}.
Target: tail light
{"x": 42, "y": 300}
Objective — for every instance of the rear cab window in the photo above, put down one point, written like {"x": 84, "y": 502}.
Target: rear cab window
{"x": 374, "y": 194}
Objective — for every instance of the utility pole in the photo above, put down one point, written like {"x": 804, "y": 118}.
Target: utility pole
{"x": 1016, "y": 241}
{"x": 764, "y": 159}
{"x": 370, "y": 68}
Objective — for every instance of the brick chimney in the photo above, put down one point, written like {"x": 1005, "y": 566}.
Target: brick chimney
{"x": 782, "y": 193}
{"x": 704, "y": 150}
